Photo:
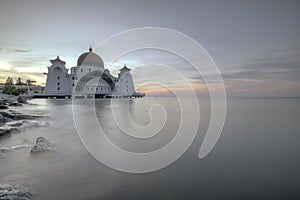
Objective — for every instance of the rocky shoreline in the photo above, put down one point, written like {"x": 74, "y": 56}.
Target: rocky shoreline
{"x": 13, "y": 121}
{"x": 14, "y": 192}
{"x": 10, "y": 119}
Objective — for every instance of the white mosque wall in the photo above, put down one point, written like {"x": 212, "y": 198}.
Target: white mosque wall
{"x": 125, "y": 84}
{"x": 57, "y": 79}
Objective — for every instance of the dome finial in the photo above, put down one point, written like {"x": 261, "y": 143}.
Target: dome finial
{"x": 90, "y": 49}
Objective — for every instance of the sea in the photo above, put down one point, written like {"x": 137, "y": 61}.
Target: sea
{"x": 257, "y": 155}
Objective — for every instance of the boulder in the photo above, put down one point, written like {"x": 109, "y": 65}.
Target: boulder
{"x": 22, "y": 99}
{"x": 42, "y": 144}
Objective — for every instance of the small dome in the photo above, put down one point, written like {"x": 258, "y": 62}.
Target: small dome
{"x": 90, "y": 58}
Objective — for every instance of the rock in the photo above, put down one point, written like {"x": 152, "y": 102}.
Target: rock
{"x": 42, "y": 144}
{"x": 16, "y": 115}
{"x": 7, "y": 130}
{"x": 4, "y": 151}
{"x": 4, "y": 132}
{"x": 2, "y": 107}
{"x": 10, "y": 100}
{"x": 4, "y": 120}
{"x": 7, "y": 150}
{"x": 5, "y": 114}
{"x": 15, "y": 123}
{"x": 22, "y": 99}
{"x": 13, "y": 192}
{"x": 15, "y": 104}
{"x": 26, "y": 124}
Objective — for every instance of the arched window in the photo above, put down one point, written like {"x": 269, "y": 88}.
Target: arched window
{"x": 58, "y": 88}
{"x": 57, "y": 77}
{"x": 58, "y": 83}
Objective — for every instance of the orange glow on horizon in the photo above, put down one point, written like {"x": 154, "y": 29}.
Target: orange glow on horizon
{"x": 154, "y": 89}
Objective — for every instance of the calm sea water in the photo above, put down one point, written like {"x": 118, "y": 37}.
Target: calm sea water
{"x": 256, "y": 157}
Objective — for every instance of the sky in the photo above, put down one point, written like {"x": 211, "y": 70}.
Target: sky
{"x": 255, "y": 44}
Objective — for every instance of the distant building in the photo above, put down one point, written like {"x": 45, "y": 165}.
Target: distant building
{"x": 64, "y": 82}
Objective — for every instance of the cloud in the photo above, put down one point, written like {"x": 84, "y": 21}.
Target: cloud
{"x": 281, "y": 59}
{"x": 280, "y": 63}
{"x": 20, "y": 50}
{"x": 277, "y": 71}
{"x": 8, "y": 51}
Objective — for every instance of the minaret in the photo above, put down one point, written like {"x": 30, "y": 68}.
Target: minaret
{"x": 125, "y": 83}
{"x": 57, "y": 81}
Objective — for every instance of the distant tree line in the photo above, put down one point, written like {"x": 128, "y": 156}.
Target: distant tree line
{"x": 10, "y": 87}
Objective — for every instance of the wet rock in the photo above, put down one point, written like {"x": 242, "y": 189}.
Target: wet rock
{"x": 4, "y": 120}
{"x": 22, "y": 99}
{"x": 26, "y": 124}
{"x": 4, "y": 132}
{"x": 42, "y": 144}
{"x": 2, "y": 107}
{"x": 10, "y": 100}
{"x": 16, "y": 115}
{"x": 6, "y": 114}
{"x": 7, "y": 130}
{"x": 12, "y": 121}
{"x": 19, "y": 125}
{"x": 15, "y": 123}
{"x": 4, "y": 151}
{"x": 15, "y": 104}
{"x": 13, "y": 192}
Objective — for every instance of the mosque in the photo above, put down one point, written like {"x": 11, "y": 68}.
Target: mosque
{"x": 88, "y": 79}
